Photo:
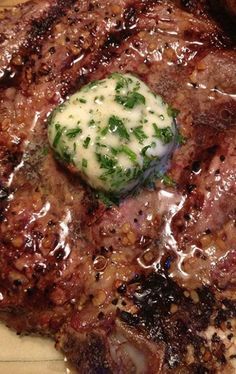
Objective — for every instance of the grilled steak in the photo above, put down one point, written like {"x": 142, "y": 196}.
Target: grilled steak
{"x": 148, "y": 285}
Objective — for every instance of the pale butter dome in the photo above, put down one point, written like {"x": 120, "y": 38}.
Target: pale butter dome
{"x": 112, "y": 131}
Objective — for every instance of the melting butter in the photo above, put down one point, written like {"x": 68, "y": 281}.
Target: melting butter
{"x": 112, "y": 131}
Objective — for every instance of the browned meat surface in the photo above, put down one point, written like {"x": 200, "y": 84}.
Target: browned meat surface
{"x": 146, "y": 286}
{"x": 230, "y": 6}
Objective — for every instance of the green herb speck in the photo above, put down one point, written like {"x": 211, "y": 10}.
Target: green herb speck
{"x": 84, "y": 163}
{"x": 116, "y": 125}
{"x": 126, "y": 150}
{"x": 172, "y": 112}
{"x": 45, "y": 151}
{"x": 86, "y": 142}
{"x": 91, "y": 123}
{"x": 181, "y": 139}
{"x": 165, "y": 134}
{"x": 72, "y": 133}
{"x": 139, "y": 134}
{"x": 130, "y": 100}
{"x": 104, "y": 131}
{"x": 59, "y": 132}
{"x": 168, "y": 181}
{"x": 105, "y": 161}
{"x": 66, "y": 156}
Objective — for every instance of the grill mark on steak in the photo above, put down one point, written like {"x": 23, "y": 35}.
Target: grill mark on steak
{"x": 33, "y": 36}
{"x": 13, "y": 38}
{"x": 51, "y": 248}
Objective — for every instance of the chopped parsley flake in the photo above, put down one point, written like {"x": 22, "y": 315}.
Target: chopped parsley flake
{"x": 105, "y": 161}
{"x": 144, "y": 150}
{"x": 172, "y": 112}
{"x": 72, "y": 133}
{"x": 99, "y": 99}
{"x": 130, "y": 100}
{"x": 181, "y": 139}
{"x": 146, "y": 159}
{"x": 92, "y": 123}
{"x": 45, "y": 151}
{"x": 165, "y": 135}
{"x": 104, "y": 131}
{"x": 116, "y": 125}
{"x": 126, "y": 150}
{"x": 91, "y": 85}
{"x": 66, "y": 155}
{"x": 106, "y": 199}
{"x": 168, "y": 181}
{"x": 86, "y": 142}
{"x": 140, "y": 134}
{"x": 122, "y": 82}
{"x": 84, "y": 163}
{"x": 59, "y": 131}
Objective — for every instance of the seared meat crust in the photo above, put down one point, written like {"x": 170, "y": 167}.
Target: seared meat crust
{"x": 143, "y": 286}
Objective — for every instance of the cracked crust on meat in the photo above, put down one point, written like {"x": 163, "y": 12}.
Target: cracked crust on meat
{"x": 75, "y": 269}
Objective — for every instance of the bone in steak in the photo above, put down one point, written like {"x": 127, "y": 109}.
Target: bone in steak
{"x": 147, "y": 286}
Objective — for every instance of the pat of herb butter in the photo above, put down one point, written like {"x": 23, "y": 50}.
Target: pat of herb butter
{"x": 112, "y": 132}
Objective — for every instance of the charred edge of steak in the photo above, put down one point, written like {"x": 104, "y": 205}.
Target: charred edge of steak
{"x": 87, "y": 352}
{"x": 156, "y": 296}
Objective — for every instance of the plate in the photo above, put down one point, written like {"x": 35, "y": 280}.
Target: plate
{"x": 29, "y": 355}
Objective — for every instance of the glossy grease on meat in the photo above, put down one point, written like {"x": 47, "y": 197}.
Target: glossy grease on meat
{"x": 147, "y": 286}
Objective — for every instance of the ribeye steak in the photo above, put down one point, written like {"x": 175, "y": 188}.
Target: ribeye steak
{"x": 146, "y": 286}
